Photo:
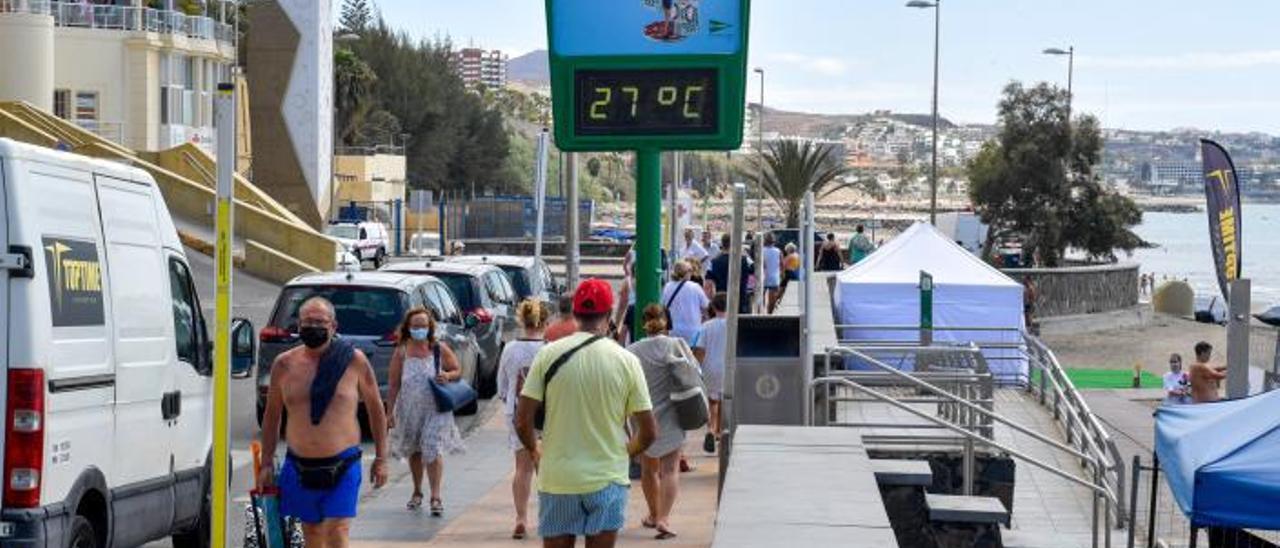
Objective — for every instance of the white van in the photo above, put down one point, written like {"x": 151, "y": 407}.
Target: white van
{"x": 106, "y": 361}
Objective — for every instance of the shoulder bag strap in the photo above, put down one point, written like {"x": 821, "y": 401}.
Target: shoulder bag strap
{"x": 674, "y": 293}
{"x": 555, "y": 366}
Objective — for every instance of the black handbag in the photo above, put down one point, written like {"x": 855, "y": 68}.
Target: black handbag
{"x": 540, "y": 417}
{"x": 451, "y": 396}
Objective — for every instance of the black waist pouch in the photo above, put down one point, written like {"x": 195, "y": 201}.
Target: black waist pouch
{"x": 325, "y": 473}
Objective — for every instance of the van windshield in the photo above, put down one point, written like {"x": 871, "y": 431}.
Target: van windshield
{"x": 346, "y": 232}
{"x": 361, "y": 311}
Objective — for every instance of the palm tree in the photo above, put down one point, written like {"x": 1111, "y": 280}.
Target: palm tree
{"x": 789, "y": 169}
{"x": 352, "y": 91}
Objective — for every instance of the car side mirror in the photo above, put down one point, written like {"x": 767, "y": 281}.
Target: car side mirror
{"x": 244, "y": 348}
{"x": 471, "y": 321}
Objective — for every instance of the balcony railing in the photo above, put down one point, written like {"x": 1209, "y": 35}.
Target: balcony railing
{"x": 71, "y": 14}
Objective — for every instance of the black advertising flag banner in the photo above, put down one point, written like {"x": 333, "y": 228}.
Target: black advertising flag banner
{"x": 1222, "y": 201}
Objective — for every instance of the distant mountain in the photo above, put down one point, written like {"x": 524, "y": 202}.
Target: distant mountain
{"x": 532, "y": 68}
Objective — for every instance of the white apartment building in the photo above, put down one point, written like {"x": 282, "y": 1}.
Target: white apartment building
{"x": 481, "y": 67}
{"x": 138, "y": 72}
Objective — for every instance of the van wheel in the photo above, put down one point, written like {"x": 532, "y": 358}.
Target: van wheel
{"x": 379, "y": 258}
{"x": 82, "y": 533}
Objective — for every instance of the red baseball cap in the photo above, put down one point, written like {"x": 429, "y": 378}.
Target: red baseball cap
{"x": 594, "y": 296}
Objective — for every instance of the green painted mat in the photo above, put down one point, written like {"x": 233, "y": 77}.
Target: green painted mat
{"x": 1105, "y": 378}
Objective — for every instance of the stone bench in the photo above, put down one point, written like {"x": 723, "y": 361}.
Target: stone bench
{"x": 959, "y": 521}
{"x": 901, "y": 472}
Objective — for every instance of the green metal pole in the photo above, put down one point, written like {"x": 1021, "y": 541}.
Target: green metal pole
{"x": 648, "y": 267}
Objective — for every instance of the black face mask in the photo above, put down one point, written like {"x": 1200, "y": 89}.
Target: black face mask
{"x": 313, "y": 336}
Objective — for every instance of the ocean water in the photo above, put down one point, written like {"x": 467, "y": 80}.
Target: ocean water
{"x": 1184, "y": 253}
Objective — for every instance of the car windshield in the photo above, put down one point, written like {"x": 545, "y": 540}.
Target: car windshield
{"x": 460, "y": 286}
{"x": 520, "y": 279}
{"x": 346, "y": 232}
{"x": 361, "y": 311}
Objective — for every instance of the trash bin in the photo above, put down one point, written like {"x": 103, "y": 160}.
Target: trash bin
{"x": 769, "y": 379}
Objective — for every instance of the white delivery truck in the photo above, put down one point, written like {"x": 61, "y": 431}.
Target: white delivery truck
{"x": 105, "y": 363}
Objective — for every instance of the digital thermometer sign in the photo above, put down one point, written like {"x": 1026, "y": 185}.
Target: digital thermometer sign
{"x": 646, "y": 102}
{"x": 648, "y": 74}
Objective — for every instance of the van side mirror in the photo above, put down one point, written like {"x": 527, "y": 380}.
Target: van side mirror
{"x": 244, "y": 348}
{"x": 471, "y": 321}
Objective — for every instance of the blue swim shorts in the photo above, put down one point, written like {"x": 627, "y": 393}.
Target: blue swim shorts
{"x": 316, "y": 505}
{"x": 582, "y": 515}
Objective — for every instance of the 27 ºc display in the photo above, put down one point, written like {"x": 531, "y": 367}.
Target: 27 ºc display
{"x": 646, "y": 102}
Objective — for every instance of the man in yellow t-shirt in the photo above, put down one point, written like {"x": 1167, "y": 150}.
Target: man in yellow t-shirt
{"x": 584, "y": 456}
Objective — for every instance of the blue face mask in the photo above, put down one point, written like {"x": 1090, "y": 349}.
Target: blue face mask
{"x": 420, "y": 333}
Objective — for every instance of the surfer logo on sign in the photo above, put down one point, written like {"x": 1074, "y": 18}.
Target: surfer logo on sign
{"x": 679, "y": 20}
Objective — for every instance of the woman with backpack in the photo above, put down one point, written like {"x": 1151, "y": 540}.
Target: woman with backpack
{"x": 419, "y": 430}
{"x": 517, "y": 357}
{"x": 670, "y": 369}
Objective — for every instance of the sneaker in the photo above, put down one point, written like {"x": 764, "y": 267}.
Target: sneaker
{"x": 709, "y": 443}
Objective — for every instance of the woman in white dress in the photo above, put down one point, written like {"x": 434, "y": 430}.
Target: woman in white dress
{"x": 418, "y": 431}
{"x": 517, "y": 357}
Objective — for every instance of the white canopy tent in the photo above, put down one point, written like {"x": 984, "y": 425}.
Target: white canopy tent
{"x": 883, "y": 290}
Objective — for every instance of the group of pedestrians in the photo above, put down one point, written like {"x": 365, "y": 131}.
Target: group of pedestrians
{"x": 580, "y": 409}
{"x": 583, "y": 407}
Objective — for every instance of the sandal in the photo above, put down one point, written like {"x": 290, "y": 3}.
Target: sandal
{"x": 437, "y": 507}
{"x": 686, "y": 466}
{"x": 664, "y": 534}
{"x": 648, "y": 523}
{"x": 415, "y": 502}
{"x": 519, "y": 532}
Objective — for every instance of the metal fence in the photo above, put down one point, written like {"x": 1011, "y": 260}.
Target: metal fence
{"x": 512, "y": 217}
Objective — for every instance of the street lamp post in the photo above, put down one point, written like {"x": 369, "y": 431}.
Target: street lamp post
{"x": 758, "y": 299}
{"x": 936, "y": 5}
{"x": 1070, "y": 52}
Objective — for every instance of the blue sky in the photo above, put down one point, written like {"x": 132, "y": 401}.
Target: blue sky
{"x": 1140, "y": 64}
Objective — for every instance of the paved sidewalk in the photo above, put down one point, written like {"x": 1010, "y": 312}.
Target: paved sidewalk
{"x": 479, "y": 514}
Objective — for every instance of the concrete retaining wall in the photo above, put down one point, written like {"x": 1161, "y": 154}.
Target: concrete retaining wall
{"x": 1081, "y": 290}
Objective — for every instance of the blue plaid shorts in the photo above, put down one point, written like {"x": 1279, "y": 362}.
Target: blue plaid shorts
{"x": 583, "y": 515}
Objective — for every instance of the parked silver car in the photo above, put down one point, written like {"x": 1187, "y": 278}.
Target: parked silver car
{"x": 369, "y": 307}
{"x": 529, "y": 276}
{"x": 484, "y": 292}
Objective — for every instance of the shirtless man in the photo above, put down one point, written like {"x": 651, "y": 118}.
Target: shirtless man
{"x": 1205, "y": 378}
{"x": 320, "y": 479}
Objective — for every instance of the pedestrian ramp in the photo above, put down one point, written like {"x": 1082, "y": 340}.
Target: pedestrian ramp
{"x": 277, "y": 244}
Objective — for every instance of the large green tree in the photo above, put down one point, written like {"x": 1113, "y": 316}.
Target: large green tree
{"x": 356, "y": 15}
{"x": 456, "y": 142}
{"x": 789, "y": 169}
{"x": 1038, "y": 181}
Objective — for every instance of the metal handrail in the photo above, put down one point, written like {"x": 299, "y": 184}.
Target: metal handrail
{"x": 967, "y": 404}
{"x": 1096, "y": 487}
{"x": 1094, "y": 435}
